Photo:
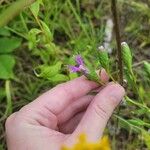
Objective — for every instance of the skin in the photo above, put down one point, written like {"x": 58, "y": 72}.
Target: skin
{"x": 58, "y": 116}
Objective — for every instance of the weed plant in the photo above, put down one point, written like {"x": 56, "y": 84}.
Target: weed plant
{"x": 39, "y": 40}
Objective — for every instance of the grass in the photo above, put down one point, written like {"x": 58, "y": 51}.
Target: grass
{"x": 63, "y": 28}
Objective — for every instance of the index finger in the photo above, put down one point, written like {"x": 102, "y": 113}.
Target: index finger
{"x": 58, "y": 98}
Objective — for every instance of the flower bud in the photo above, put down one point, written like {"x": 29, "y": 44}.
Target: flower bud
{"x": 127, "y": 56}
{"x": 103, "y": 58}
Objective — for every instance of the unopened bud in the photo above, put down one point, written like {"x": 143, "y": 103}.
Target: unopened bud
{"x": 103, "y": 58}
{"x": 127, "y": 56}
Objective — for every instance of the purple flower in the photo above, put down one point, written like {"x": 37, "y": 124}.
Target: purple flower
{"x": 79, "y": 60}
{"x": 74, "y": 69}
{"x": 80, "y": 67}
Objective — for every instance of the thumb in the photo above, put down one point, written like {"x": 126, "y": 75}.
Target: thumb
{"x": 98, "y": 113}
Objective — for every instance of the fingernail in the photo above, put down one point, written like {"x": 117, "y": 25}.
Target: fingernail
{"x": 103, "y": 75}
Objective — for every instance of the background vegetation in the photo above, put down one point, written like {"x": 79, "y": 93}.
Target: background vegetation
{"x": 39, "y": 42}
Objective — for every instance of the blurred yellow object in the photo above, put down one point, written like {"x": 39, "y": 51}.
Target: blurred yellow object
{"x": 83, "y": 144}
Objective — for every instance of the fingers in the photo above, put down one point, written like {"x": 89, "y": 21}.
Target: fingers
{"x": 62, "y": 95}
{"x": 58, "y": 98}
{"x": 99, "y": 112}
{"x": 104, "y": 76}
{"x": 74, "y": 108}
{"x": 44, "y": 109}
{"x": 69, "y": 126}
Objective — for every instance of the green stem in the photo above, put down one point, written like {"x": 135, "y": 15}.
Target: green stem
{"x": 24, "y": 23}
{"x": 16, "y": 32}
{"x": 143, "y": 106}
{"x": 8, "y": 97}
{"x": 110, "y": 75}
{"x": 138, "y": 129}
{"x": 135, "y": 87}
{"x": 13, "y": 10}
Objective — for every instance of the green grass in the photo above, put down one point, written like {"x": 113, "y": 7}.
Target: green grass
{"x": 61, "y": 29}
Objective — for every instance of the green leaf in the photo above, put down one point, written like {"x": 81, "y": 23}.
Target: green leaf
{"x": 35, "y": 7}
{"x": 147, "y": 68}
{"x": 32, "y": 38}
{"x": 7, "y": 45}
{"x": 34, "y": 32}
{"x": 46, "y": 71}
{"x": 47, "y": 31}
{"x": 4, "y": 32}
{"x": 138, "y": 122}
{"x": 7, "y": 63}
{"x": 58, "y": 78}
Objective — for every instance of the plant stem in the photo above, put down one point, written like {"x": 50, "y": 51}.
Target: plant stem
{"x": 118, "y": 40}
{"x": 16, "y": 32}
{"x": 8, "y": 97}
{"x": 140, "y": 105}
{"x": 140, "y": 63}
{"x": 13, "y": 10}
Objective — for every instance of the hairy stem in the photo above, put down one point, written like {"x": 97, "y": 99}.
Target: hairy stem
{"x": 13, "y": 10}
{"x": 118, "y": 40}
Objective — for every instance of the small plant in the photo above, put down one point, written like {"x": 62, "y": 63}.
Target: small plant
{"x": 129, "y": 75}
{"x": 80, "y": 67}
{"x": 38, "y": 39}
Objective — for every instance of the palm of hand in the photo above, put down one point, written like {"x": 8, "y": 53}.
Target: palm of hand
{"x": 58, "y": 116}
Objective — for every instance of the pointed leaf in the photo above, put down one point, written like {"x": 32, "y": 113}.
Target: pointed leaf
{"x": 7, "y": 63}
{"x": 7, "y": 45}
{"x": 46, "y": 71}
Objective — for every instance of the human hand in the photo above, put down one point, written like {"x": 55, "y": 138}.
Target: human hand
{"x": 58, "y": 116}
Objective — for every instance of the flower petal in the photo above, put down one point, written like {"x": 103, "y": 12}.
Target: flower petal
{"x": 74, "y": 68}
{"x": 84, "y": 69}
{"x": 79, "y": 60}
